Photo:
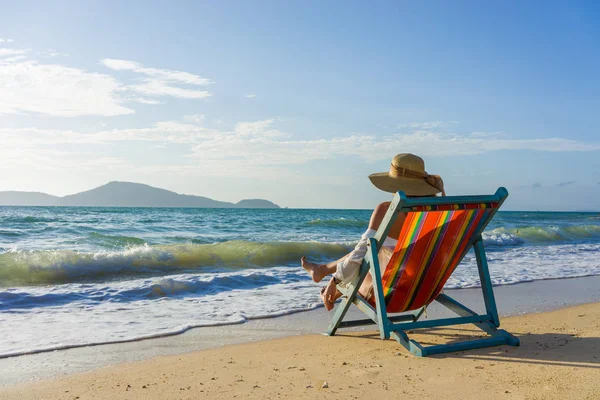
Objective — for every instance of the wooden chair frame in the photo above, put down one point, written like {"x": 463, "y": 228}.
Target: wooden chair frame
{"x": 398, "y": 325}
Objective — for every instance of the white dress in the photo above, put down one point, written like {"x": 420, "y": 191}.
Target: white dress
{"x": 348, "y": 268}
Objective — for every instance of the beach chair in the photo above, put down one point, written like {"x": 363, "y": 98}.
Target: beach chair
{"x": 435, "y": 236}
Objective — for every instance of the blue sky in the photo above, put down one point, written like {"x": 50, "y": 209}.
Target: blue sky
{"x": 298, "y": 102}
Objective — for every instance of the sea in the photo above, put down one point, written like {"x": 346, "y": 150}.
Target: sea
{"x": 76, "y": 276}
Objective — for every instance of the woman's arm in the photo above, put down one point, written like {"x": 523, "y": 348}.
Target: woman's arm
{"x": 347, "y": 267}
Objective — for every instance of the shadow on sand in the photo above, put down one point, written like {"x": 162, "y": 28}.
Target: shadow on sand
{"x": 556, "y": 349}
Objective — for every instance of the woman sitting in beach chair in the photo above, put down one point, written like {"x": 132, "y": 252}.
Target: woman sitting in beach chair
{"x": 407, "y": 173}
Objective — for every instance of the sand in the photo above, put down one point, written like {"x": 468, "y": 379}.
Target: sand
{"x": 559, "y": 358}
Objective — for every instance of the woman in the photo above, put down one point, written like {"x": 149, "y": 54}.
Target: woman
{"x": 407, "y": 173}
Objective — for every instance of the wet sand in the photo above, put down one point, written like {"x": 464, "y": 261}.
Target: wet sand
{"x": 285, "y": 357}
{"x": 559, "y": 358}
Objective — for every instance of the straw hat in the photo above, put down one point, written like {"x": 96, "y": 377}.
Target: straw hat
{"x": 407, "y": 173}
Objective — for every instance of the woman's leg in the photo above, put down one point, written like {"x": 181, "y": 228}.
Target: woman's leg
{"x": 320, "y": 271}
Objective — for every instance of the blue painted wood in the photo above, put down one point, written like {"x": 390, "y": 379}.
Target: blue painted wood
{"x": 350, "y": 293}
{"x": 410, "y": 345}
{"x": 486, "y": 282}
{"x": 417, "y": 313}
{"x": 366, "y": 308}
{"x": 440, "y": 322}
{"x": 466, "y": 345}
{"x": 338, "y": 316}
{"x": 498, "y": 197}
{"x": 487, "y": 327}
{"x": 454, "y": 305}
{"x": 391, "y": 325}
{"x": 463, "y": 311}
{"x": 373, "y": 261}
{"x": 389, "y": 219}
{"x": 362, "y": 322}
{"x": 511, "y": 339}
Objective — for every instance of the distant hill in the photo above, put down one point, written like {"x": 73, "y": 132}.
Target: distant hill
{"x": 255, "y": 203}
{"x": 125, "y": 194}
{"x": 28, "y": 199}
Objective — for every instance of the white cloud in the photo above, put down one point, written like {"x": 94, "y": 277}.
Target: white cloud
{"x": 13, "y": 59}
{"x": 159, "y": 88}
{"x": 166, "y": 74}
{"x": 6, "y": 40}
{"x": 119, "y": 64}
{"x": 31, "y": 86}
{"x": 196, "y": 118}
{"x": 159, "y": 82}
{"x": 5, "y": 52}
{"x": 53, "y": 89}
{"x": 261, "y": 129}
{"x": 143, "y": 100}
{"x": 422, "y": 125}
{"x": 249, "y": 96}
{"x": 257, "y": 146}
{"x": 53, "y": 53}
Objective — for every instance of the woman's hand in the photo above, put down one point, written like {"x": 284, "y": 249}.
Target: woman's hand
{"x": 329, "y": 295}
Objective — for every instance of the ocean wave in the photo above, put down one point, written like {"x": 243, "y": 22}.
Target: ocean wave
{"x": 540, "y": 235}
{"x": 28, "y": 219}
{"x": 337, "y": 223}
{"x": 10, "y": 233}
{"x": 115, "y": 240}
{"x": 177, "y": 286}
{"x": 20, "y": 267}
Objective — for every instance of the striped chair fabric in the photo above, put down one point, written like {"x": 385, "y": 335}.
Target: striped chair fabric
{"x": 432, "y": 242}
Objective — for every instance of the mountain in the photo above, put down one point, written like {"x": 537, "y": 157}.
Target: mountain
{"x": 28, "y": 199}
{"x": 255, "y": 203}
{"x": 125, "y": 194}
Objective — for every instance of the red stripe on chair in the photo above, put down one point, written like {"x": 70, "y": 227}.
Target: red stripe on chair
{"x": 430, "y": 246}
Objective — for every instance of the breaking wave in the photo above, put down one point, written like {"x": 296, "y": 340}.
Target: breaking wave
{"x": 540, "y": 235}
{"x": 18, "y": 267}
{"x": 338, "y": 223}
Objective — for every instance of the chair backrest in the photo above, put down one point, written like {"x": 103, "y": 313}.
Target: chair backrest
{"x": 433, "y": 240}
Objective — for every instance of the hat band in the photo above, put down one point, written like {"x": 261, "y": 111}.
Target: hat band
{"x": 432, "y": 180}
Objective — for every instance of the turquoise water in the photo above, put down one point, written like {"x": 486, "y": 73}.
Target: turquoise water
{"x": 125, "y": 273}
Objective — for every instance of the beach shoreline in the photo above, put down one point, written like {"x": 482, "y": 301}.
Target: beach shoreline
{"x": 559, "y": 358}
{"x": 534, "y": 299}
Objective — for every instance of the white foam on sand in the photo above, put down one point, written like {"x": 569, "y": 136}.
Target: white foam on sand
{"x": 43, "y": 318}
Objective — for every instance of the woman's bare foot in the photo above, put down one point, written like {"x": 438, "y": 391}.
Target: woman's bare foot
{"x": 317, "y": 271}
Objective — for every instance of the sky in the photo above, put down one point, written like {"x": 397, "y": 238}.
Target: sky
{"x": 298, "y": 102}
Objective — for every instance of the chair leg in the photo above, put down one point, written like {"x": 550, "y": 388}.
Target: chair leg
{"x": 382, "y": 318}
{"x": 351, "y": 293}
{"x": 340, "y": 312}
{"x": 486, "y": 282}
{"x": 410, "y": 345}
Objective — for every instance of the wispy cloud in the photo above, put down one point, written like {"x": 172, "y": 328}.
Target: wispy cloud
{"x": 426, "y": 125}
{"x": 259, "y": 145}
{"x": 249, "y": 96}
{"x": 155, "y": 87}
{"x": 34, "y": 86}
{"x": 160, "y": 82}
{"x": 6, "y": 52}
{"x": 563, "y": 184}
{"x": 166, "y": 74}
{"x": 195, "y": 118}
{"x": 53, "y": 53}
{"x": 6, "y": 40}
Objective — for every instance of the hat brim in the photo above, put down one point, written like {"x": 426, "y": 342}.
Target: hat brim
{"x": 412, "y": 187}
